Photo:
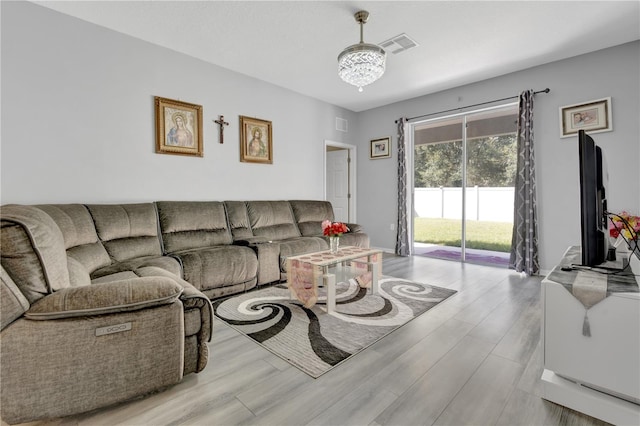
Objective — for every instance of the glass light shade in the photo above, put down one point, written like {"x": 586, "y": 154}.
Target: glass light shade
{"x": 361, "y": 64}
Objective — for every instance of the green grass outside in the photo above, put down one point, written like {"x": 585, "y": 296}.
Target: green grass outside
{"x": 494, "y": 236}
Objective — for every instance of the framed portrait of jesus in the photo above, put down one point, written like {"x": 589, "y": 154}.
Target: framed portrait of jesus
{"x": 256, "y": 143}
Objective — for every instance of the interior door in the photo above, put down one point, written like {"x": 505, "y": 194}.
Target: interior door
{"x": 337, "y": 176}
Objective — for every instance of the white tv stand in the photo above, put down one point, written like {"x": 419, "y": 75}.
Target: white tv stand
{"x": 597, "y": 375}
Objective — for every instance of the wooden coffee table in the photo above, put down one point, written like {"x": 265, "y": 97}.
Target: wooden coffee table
{"x": 305, "y": 273}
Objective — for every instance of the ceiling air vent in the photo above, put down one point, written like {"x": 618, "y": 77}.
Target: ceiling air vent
{"x": 341, "y": 124}
{"x": 398, "y": 44}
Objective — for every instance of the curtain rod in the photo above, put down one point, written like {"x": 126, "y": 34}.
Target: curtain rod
{"x": 547, "y": 90}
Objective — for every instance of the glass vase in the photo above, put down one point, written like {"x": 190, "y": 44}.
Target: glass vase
{"x": 334, "y": 244}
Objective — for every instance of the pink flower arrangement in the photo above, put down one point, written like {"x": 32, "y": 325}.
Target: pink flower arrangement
{"x": 333, "y": 229}
{"x": 617, "y": 226}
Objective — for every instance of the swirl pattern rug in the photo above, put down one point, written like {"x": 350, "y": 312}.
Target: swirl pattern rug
{"x": 314, "y": 341}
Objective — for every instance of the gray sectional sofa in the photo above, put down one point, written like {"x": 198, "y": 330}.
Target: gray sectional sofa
{"x": 104, "y": 303}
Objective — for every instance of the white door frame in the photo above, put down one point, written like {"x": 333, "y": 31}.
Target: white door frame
{"x": 352, "y": 174}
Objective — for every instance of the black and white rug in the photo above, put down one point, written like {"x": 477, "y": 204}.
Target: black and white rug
{"x": 314, "y": 341}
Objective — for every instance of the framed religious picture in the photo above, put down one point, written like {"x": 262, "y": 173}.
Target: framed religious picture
{"x": 592, "y": 116}
{"x": 380, "y": 148}
{"x": 256, "y": 143}
{"x": 178, "y": 127}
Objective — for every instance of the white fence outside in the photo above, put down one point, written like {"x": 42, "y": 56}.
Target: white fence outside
{"x": 487, "y": 204}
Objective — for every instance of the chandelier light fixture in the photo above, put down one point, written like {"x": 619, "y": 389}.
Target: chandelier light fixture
{"x": 363, "y": 63}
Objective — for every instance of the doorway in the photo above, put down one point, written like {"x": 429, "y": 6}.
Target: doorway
{"x": 464, "y": 175}
{"x": 339, "y": 182}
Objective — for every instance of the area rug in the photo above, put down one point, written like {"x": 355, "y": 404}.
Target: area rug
{"x": 316, "y": 342}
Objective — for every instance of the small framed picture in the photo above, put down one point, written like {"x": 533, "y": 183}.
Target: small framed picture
{"x": 256, "y": 143}
{"x": 592, "y": 116}
{"x": 380, "y": 148}
{"x": 178, "y": 127}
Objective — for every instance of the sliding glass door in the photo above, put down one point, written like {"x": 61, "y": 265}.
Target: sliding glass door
{"x": 438, "y": 183}
{"x": 464, "y": 171}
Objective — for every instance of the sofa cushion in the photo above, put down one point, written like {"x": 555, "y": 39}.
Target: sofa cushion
{"x": 309, "y": 215}
{"x": 128, "y": 231}
{"x": 272, "y": 219}
{"x": 91, "y": 256}
{"x": 33, "y": 251}
{"x": 80, "y": 236}
{"x": 219, "y": 266}
{"x": 238, "y": 220}
{"x": 169, "y": 264}
{"x": 74, "y": 222}
{"x": 188, "y": 225}
{"x": 78, "y": 274}
{"x": 117, "y": 276}
{"x": 108, "y": 298}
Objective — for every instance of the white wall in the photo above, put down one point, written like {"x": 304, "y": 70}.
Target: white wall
{"x": 611, "y": 72}
{"x": 78, "y": 120}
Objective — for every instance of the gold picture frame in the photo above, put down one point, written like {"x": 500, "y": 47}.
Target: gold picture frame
{"x": 380, "y": 148}
{"x": 592, "y": 116}
{"x": 178, "y": 127}
{"x": 256, "y": 143}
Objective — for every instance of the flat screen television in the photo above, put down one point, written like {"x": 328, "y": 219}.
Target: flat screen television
{"x": 593, "y": 201}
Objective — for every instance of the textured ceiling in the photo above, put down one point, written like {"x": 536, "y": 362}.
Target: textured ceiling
{"x": 295, "y": 44}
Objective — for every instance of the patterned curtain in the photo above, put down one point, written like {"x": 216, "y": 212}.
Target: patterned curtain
{"x": 402, "y": 238}
{"x": 524, "y": 243}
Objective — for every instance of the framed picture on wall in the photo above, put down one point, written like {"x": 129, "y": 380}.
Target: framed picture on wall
{"x": 380, "y": 148}
{"x": 178, "y": 127}
{"x": 592, "y": 116}
{"x": 256, "y": 143}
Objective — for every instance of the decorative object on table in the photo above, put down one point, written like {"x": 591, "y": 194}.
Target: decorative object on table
{"x": 592, "y": 116}
{"x": 363, "y": 63}
{"x": 334, "y": 245}
{"x": 221, "y": 123}
{"x": 334, "y": 231}
{"x": 178, "y": 127}
{"x": 380, "y": 148}
{"x": 316, "y": 342}
{"x": 256, "y": 143}
{"x": 624, "y": 226}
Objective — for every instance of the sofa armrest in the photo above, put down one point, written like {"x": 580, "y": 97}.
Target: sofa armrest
{"x": 191, "y": 297}
{"x": 108, "y": 298}
{"x": 268, "y": 253}
{"x": 354, "y": 227}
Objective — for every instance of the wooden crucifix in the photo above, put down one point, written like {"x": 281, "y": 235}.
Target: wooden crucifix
{"x": 220, "y": 122}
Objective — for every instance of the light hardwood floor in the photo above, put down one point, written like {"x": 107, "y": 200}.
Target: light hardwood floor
{"x": 473, "y": 360}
